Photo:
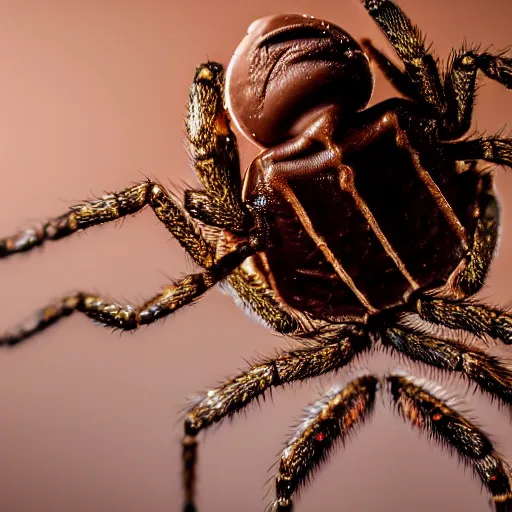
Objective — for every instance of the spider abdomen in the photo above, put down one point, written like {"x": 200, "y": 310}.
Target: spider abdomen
{"x": 341, "y": 248}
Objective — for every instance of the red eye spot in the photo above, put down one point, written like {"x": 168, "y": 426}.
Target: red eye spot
{"x": 494, "y": 478}
{"x": 320, "y": 436}
{"x": 437, "y": 416}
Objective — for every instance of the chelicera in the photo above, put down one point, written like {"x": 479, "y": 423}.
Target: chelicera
{"x": 351, "y": 222}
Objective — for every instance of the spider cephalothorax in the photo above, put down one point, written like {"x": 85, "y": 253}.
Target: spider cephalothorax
{"x": 349, "y": 221}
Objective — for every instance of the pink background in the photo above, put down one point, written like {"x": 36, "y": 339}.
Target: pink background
{"x": 92, "y": 98}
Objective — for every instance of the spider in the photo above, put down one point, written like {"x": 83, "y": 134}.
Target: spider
{"x": 354, "y": 226}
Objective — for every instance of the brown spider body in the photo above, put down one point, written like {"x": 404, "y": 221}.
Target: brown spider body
{"x": 351, "y": 222}
{"x": 358, "y": 237}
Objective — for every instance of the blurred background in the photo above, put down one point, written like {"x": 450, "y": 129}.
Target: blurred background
{"x": 92, "y": 98}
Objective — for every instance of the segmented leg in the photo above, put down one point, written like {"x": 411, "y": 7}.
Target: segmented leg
{"x": 255, "y": 293}
{"x": 113, "y": 207}
{"x": 482, "y": 250}
{"x": 260, "y": 299}
{"x": 489, "y": 373}
{"x": 398, "y": 78}
{"x": 127, "y": 317}
{"x": 451, "y": 429}
{"x": 478, "y": 319}
{"x": 465, "y": 314}
{"x": 238, "y": 392}
{"x": 409, "y": 45}
{"x": 470, "y": 279}
{"x": 460, "y": 85}
{"x": 330, "y": 420}
{"x": 214, "y": 153}
{"x": 496, "y": 150}
{"x": 215, "y": 157}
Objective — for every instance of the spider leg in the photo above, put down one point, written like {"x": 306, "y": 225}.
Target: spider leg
{"x": 260, "y": 299}
{"x": 214, "y": 153}
{"x": 452, "y": 100}
{"x": 478, "y": 319}
{"x": 398, "y": 78}
{"x": 127, "y": 317}
{"x": 460, "y": 86}
{"x": 496, "y": 150}
{"x": 255, "y": 293}
{"x": 113, "y": 207}
{"x": 236, "y": 393}
{"x": 451, "y": 429}
{"x": 460, "y": 312}
{"x": 489, "y": 373}
{"x": 215, "y": 157}
{"x": 331, "y": 419}
{"x": 470, "y": 279}
{"x": 482, "y": 249}
{"x": 408, "y": 42}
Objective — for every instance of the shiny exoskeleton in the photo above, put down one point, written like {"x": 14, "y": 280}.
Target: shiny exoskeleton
{"x": 349, "y": 221}
{"x": 359, "y": 224}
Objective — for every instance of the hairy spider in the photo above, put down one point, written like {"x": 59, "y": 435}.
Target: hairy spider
{"x": 349, "y": 221}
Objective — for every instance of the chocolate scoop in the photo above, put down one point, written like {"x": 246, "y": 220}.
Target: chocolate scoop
{"x": 289, "y": 66}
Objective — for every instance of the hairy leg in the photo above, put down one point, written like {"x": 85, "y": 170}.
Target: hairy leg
{"x": 113, "y": 207}
{"x": 482, "y": 242}
{"x": 398, "y": 78}
{"x": 478, "y": 319}
{"x": 408, "y": 42}
{"x": 482, "y": 250}
{"x": 215, "y": 157}
{"x": 214, "y": 154}
{"x": 435, "y": 416}
{"x": 127, "y": 317}
{"x": 461, "y": 83}
{"x": 331, "y": 420}
{"x": 496, "y": 150}
{"x": 460, "y": 312}
{"x": 489, "y": 373}
{"x": 256, "y": 295}
{"x": 238, "y": 392}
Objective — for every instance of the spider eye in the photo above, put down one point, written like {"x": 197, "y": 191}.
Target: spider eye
{"x": 286, "y": 67}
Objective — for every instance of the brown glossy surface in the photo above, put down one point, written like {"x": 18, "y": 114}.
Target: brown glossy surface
{"x": 92, "y": 97}
{"x": 287, "y": 66}
{"x": 358, "y": 235}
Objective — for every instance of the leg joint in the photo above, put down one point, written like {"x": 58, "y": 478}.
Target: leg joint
{"x": 191, "y": 426}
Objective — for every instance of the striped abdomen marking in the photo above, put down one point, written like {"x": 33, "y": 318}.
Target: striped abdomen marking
{"x": 355, "y": 232}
